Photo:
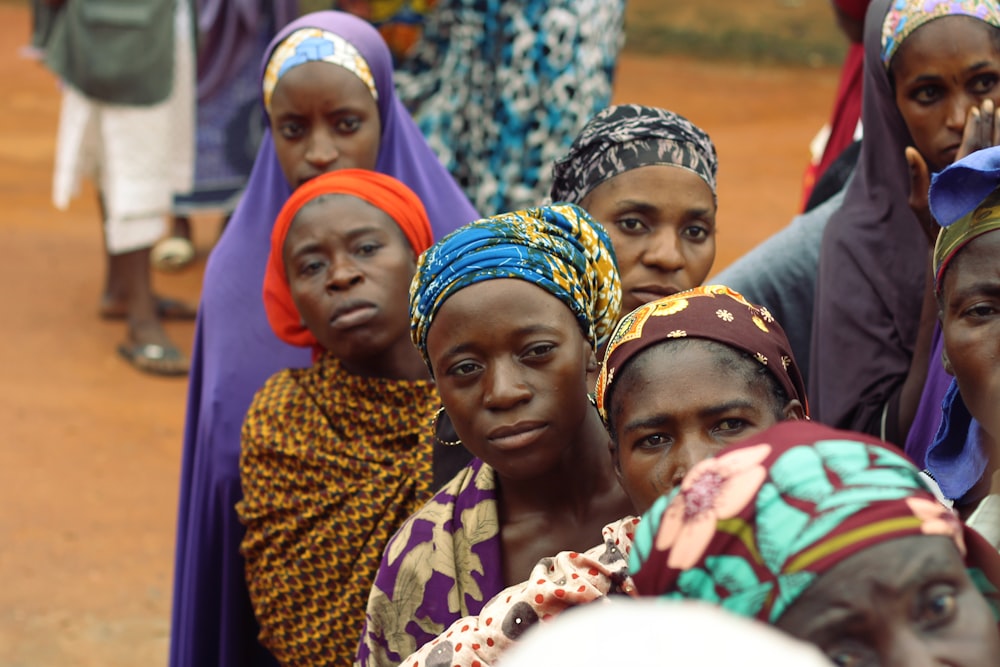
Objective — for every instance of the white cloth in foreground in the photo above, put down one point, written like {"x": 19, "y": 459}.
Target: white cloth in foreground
{"x": 649, "y": 631}
{"x": 138, "y": 156}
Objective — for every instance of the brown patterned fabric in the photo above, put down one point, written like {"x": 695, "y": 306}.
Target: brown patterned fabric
{"x": 713, "y": 312}
{"x": 331, "y": 465}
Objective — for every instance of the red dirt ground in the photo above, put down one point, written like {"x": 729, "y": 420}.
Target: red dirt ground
{"x": 90, "y": 449}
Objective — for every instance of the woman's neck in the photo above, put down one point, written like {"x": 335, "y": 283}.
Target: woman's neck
{"x": 398, "y": 362}
{"x": 582, "y": 478}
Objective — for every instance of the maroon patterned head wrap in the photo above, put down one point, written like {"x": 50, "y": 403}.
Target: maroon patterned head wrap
{"x": 712, "y": 312}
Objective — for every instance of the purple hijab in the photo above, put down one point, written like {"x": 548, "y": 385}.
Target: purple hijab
{"x": 235, "y": 352}
{"x": 871, "y": 272}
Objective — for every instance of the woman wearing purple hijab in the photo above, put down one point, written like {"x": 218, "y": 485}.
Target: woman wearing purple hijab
{"x": 321, "y": 118}
{"x": 875, "y": 352}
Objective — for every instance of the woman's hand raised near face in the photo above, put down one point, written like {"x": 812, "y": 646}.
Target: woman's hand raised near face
{"x": 982, "y": 129}
{"x": 920, "y": 182}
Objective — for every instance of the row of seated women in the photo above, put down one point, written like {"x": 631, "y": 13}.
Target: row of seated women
{"x": 569, "y": 350}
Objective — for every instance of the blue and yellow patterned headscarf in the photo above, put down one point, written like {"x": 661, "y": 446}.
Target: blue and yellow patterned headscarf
{"x": 314, "y": 44}
{"x": 905, "y": 16}
{"x": 754, "y": 527}
{"x": 559, "y": 248}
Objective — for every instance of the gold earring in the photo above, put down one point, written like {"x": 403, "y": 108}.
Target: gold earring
{"x": 437, "y": 425}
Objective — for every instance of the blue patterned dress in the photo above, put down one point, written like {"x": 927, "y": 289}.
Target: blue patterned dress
{"x": 501, "y": 89}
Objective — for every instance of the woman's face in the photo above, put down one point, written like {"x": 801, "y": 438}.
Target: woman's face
{"x": 678, "y": 403}
{"x": 323, "y": 118}
{"x": 349, "y": 268}
{"x": 970, "y": 323}
{"x": 942, "y": 70}
{"x": 661, "y": 220}
{"x": 908, "y": 601}
{"x": 511, "y": 366}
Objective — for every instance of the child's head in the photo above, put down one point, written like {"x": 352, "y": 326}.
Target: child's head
{"x": 647, "y": 175}
{"x": 688, "y": 375}
{"x": 343, "y": 253}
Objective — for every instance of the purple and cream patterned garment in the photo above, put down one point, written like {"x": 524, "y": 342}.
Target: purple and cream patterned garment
{"x": 556, "y": 584}
{"x": 443, "y": 563}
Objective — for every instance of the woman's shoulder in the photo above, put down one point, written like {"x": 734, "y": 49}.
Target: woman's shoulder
{"x": 466, "y": 504}
{"x": 282, "y": 396}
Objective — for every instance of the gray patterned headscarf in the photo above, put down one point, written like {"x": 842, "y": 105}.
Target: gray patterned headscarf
{"x": 628, "y": 136}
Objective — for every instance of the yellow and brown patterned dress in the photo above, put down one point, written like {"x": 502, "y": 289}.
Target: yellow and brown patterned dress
{"x": 331, "y": 465}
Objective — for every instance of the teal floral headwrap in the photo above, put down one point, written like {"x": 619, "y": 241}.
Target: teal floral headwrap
{"x": 559, "y": 248}
{"x": 753, "y": 528}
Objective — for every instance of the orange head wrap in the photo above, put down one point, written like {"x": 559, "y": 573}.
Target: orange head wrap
{"x": 383, "y": 192}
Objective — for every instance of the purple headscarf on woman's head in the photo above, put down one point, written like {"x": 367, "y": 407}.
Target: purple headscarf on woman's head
{"x": 235, "y": 352}
{"x": 403, "y": 151}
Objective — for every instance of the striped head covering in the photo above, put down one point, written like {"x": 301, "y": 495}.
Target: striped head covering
{"x": 905, "y": 16}
{"x": 754, "y": 527}
{"x": 712, "y": 312}
{"x": 383, "y": 192}
{"x": 965, "y": 200}
{"x": 629, "y": 136}
{"x": 314, "y": 44}
{"x": 559, "y": 248}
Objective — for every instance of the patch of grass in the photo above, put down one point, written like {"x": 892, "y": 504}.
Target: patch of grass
{"x": 736, "y": 44}
{"x": 790, "y": 32}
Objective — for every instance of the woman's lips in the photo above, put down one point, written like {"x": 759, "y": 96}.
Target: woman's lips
{"x": 517, "y": 435}
{"x": 352, "y": 315}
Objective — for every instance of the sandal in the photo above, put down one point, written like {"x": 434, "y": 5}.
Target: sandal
{"x": 172, "y": 254}
{"x": 166, "y": 309}
{"x": 155, "y": 359}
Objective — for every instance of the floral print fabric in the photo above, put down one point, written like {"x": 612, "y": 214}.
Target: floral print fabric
{"x": 442, "y": 564}
{"x": 752, "y": 528}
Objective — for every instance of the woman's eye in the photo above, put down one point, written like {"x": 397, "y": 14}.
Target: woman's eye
{"x": 310, "y": 268}
{"x": 939, "y": 605}
{"x": 349, "y": 125}
{"x": 980, "y": 310}
{"x": 731, "y": 426}
{"x": 291, "y": 130}
{"x": 696, "y": 232}
{"x": 463, "y": 369}
{"x": 631, "y": 225}
{"x": 654, "y": 441}
{"x": 926, "y": 94}
{"x": 845, "y": 658}
{"x": 983, "y": 84}
{"x": 367, "y": 249}
{"x": 539, "y": 350}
